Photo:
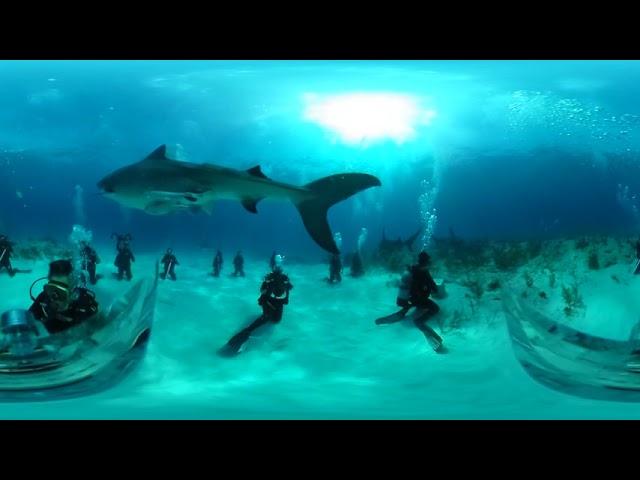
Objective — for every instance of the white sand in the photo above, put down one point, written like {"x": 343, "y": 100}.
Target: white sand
{"x": 327, "y": 358}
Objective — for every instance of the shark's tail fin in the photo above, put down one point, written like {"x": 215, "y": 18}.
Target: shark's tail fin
{"x": 327, "y": 192}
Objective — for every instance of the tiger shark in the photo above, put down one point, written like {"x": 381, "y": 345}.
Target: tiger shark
{"x": 159, "y": 185}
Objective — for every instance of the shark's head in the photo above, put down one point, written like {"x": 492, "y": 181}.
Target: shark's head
{"x": 155, "y": 184}
{"x": 125, "y": 187}
{"x": 107, "y": 185}
{"x": 135, "y": 179}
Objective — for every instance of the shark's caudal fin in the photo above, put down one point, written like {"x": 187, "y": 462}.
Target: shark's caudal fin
{"x": 327, "y": 192}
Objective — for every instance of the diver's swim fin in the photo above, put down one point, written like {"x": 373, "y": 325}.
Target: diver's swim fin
{"x": 432, "y": 337}
{"x": 393, "y": 318}
{"x": 234, "y": 345}
{"x": 227, "y": 351}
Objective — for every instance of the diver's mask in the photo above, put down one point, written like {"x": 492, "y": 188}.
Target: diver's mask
{"x": 57, "y": 290}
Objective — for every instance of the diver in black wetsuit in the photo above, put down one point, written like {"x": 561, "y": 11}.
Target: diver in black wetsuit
{"x": 422, "y": 286}
{"x": 123, "y": 261}
{"x": 60, "y": 306}
{"x": 169, "y": 261}
{"x": 218, "y": 262}
{"x": 274, "y": 295}
{"x": 335, "y": 269}
{"x": 356, "y": 266}
{"x": 6, "y": 250}
{"x": 238, "y": 264}
{"x": 416, "y": 286}
{"x": 90, "y": 260}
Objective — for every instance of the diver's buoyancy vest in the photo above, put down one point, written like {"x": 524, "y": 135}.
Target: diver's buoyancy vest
{"x": 404, "y": 290}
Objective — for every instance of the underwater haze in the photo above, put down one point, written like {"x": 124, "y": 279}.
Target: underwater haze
{"x": 555, "y": 138}
{"x": 486, "y": 152}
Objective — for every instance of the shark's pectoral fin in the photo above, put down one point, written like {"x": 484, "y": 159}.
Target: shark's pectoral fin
{"x": 250, "y": 203}
{"x": 159, "y": 208}
{"x": 195, "y": 209}
{"x": 166, "y": 197}
{"x": 175, "y": 198}
{"x": 257, "y": 172}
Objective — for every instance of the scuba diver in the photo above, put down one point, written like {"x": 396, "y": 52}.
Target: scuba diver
{"x": 123, "y": 259}
{"x": 61, "y": 306}
{"x": 217, "y": 263}
{"x": 356, "y": 266}
{"x": 335, "y": 269}
{"x": 169, "y": 261}
{"x": 6, "y": 250}
{"x": 89, "y": 261}
{"x": 274, "y": 295}
{"x": 238, "y": 264}
{"x": 416, "y": 286}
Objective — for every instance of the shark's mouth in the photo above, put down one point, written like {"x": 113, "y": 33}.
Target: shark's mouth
{"x": 103, "y": 187}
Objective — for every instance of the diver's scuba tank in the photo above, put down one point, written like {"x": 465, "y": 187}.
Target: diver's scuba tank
{"x": 404, "y": 289}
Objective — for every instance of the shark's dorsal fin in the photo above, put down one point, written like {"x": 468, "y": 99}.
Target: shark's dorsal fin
{"x": 256, "y": 172}
{"x": 158, "y": 154}
{"x": 250, "y": 203}
{"x": 409, "y": 241}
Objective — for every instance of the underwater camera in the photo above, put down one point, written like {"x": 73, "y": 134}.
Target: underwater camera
{"x": 20, "y": 335}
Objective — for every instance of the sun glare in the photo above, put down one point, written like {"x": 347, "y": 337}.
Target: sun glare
{"x": 362, "y": 118}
